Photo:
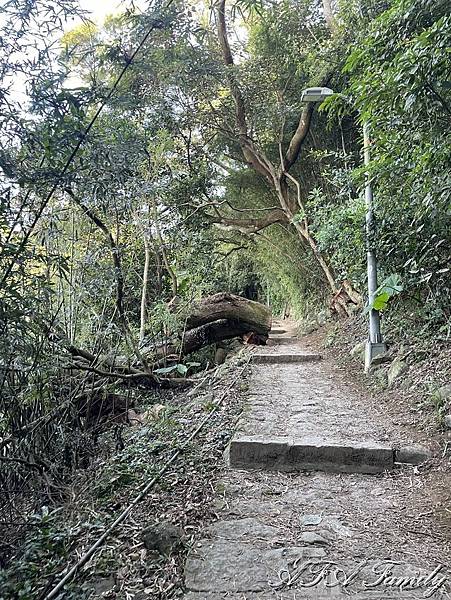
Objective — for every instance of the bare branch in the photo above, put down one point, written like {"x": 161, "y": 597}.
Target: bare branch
{"x": 299, "y": 136}
{"x": 249, "y": 225}
{"x": 251, "y": 155}
{"x": 228, "y": 60}
{"x": 225, "y": 255}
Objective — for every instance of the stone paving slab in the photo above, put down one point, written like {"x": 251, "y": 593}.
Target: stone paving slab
{"x": 300, "y": 417}
{"x": 246, "y": 556}
{"x": 234, "y": 566}
{"x": 303, "y": 401}
{"x": 280, "y": 340}
{"x": 270, "y": 520}
{"x": 305, "y": 594}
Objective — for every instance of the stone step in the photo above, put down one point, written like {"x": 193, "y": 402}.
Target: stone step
{"x": 277, "y": 331}
{"x": 277, "y": 341}
{"x": 314, "y": 454}
{"x": 272, "y": 358}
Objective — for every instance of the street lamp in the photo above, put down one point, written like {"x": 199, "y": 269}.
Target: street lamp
{"x": 374, "y": 344}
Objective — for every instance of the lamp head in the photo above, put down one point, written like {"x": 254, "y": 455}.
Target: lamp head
{"x": 316, "y": 94}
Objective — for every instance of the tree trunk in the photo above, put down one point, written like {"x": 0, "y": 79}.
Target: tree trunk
{"x": 220, "y": 317}
{"x": 305, "y": 234}
{"x": 164, "y": 255}
{"x": 277, "y": 176}
{"x": 217, "y": 331}
{"x": 232, "y": 308}
{"x": 328, "y": 14}
{"x": 144, "y": 288}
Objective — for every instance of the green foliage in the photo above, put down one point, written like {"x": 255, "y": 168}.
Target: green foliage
{"x": 398, "y": 81}
{"x": 45, "y": 551}
{"x": 338, "y": 219}
{"x": 180, "y": 368}
{"x": 440, "y": 406}
{"x": 389, "y": 288}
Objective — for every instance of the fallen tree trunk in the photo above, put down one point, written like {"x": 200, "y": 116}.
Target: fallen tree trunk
{"x": 251, "y": 315}
{"x": 217, "y": 331}
{"x": 221, "y": 317}
{"x": 224, "y": 316}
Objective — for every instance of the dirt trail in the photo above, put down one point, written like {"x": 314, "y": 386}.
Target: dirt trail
{"x": 299, "y": 534}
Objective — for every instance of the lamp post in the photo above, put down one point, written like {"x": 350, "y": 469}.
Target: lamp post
{"x": 374, "y": 344}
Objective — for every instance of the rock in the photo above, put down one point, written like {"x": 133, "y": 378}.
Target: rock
{"x": 379, "y": 374}
{"x": 162, "y": 538}
{"x": 322, "y": 317}
{"x": 311, "y": 519}
{"x": 379, "y": 359}
{"x": 358, "y": 351}
{"x": 104, "y": 585}
{"x": 220, "y": 356}
{"x": 242, "y": 529}
{"x": 444, "y": 394}
{"x": 312, "y": 538}
{"x": 396, "y": 370}
{"x": 308, "y": 327}
{"x": 153, "y": 413}
{"x": 413, "y": 455}
{"x": 447, "y": 421}
{"x": 134, "y": 418}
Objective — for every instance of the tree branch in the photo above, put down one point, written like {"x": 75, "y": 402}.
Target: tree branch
{"x": 114, "y": 249}
{"x": 251, "y": 225}
{"x": 118, "y": 274}
{"x": 299, "y": 136}
{"x": 225, "y": 255}
{"x": 251, "y": 155}
{"x": 329, "y": 14}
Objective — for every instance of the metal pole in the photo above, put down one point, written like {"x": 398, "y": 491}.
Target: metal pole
{"x": 375, "y": 345}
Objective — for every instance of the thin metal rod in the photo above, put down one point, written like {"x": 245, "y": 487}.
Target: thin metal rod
{"x": 375, "y": 335}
